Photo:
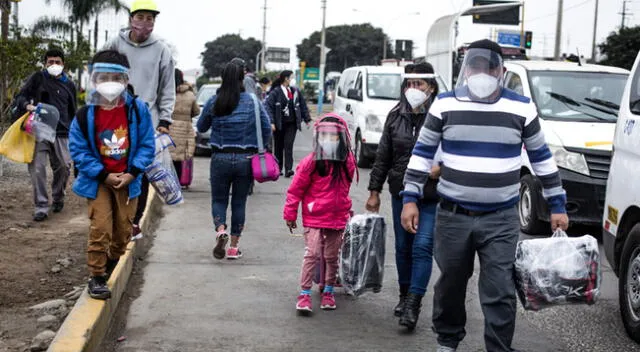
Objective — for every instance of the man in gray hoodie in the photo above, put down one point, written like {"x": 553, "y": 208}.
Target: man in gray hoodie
{"x": 152, "y": 75}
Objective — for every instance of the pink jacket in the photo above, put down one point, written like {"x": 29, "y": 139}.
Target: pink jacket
{"x": 324, "y": 205}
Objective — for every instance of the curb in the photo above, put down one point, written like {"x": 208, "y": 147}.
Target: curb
{"x": 89, "y": 320}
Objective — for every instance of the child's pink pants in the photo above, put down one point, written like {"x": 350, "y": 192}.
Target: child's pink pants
{"x": 319, "y": 242}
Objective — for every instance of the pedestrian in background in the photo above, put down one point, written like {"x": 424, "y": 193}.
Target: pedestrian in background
{"x": 249, "y": 82}
{"x": 414, "y": 252}
{"x": 265, "y": 87}
{"x": 287, "y": 109}
{"x": 50, "y": 86}
{"x": 321, "y": 187}
{"x": 230, "y": 115}
{"x": 482, "y": 128}
{"x": 152, "y": 75}
{"x": 111, "y": 144}
{"x": 182, "y": 131}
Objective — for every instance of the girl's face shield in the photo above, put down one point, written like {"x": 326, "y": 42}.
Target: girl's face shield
{"x": 330, "y": 141}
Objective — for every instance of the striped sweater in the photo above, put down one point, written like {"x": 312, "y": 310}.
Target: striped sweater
{"x": 481, "y": 153}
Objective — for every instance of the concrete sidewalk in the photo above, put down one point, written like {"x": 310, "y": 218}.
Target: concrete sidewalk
{"x": 192, "y": 302}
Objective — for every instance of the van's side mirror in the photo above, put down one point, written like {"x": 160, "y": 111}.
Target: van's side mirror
{"x": 355, "y": 94}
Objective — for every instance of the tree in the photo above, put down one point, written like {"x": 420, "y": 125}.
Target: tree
{"x": 621, "y": 48}
{"x": 351, "y": 45}
{"x": 224, "y": 48}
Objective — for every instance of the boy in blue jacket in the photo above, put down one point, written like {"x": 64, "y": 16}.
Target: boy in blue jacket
{"x": 111, "y": 143}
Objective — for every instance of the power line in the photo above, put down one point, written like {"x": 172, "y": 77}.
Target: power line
{"x": 555, "y": 13}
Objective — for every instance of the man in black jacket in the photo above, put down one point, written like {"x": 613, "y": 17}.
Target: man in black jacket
{"x": 50, "y": 86}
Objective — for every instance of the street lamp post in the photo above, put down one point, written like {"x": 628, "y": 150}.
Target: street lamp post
{"x": 323, "y": 57}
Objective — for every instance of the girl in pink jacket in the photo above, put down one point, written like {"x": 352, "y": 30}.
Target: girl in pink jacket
{"x": 321, "y": 184}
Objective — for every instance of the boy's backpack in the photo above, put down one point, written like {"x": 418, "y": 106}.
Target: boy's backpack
{"x": 81, "y": 117}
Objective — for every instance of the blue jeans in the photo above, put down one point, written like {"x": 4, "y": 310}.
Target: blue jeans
{"x": 414, "y": 253}
{"x": 227, "y": 170}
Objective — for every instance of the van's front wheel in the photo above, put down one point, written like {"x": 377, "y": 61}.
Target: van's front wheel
{"x": 528, "y": 206}
{"x": 629, "y": 284}
{"x": 363, "y": 161}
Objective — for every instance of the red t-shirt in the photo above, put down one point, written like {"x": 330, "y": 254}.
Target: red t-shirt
{"x": 112, "y": 138}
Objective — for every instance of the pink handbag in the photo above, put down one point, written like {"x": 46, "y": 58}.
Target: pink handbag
{"x": 264, "y": 164}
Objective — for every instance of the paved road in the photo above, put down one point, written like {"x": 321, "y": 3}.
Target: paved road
{"x": 192, "y": 302}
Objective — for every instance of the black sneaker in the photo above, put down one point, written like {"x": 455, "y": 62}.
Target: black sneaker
{"x": 111, "y": 265}
{"x": 57, "y": 207}
{"x": 289, "y": 174}
{"x": 40, "y": 217}
{"x": 98, "y": 288}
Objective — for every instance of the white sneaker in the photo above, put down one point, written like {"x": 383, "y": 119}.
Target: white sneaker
{"x": 445, "y": 349}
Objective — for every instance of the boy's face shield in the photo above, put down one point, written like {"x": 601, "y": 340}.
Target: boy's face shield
{"x": 107, "y": 86}
{"x": 481, "y": 77}
{"x": 330, "y": 141}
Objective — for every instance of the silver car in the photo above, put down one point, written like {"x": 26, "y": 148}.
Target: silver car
{"x": 202, "y": 139}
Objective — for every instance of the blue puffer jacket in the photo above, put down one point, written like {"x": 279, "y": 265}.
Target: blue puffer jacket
{"x": 237, "y": 130}
{"x": 87, "y": 159}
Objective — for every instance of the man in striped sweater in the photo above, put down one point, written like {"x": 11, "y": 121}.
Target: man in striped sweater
{"x": 482, "y": 128}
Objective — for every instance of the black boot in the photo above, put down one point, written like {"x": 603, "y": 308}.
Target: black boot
{"x": 399, "y": 309}
{"x": 412, "y": 311}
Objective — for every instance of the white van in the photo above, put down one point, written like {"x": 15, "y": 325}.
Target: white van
{"x": 364, "y": 97}
{"x": 621, "y": 219}
{"x": 578, "y": 108}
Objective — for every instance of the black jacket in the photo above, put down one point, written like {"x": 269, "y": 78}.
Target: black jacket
{"x": 400, "y": 134}
{"x": 61, "y": 93}
{"x": 277, "y": 101}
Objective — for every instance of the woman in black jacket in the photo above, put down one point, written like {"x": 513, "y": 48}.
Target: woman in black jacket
{"x": 287, "y": 108}
{"x": 413, "y": 252}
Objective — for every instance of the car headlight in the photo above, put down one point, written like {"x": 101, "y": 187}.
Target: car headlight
{"x": 372, "y": 123}
{"x": 569, "y": 160}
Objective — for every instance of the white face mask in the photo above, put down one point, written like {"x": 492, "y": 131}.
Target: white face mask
{"x": 482, "y": 85}
{"x": 55, "y": 70}
{"x": 415, "y": 97}
{"x": 329, "y": 147}
{"x": 110, "y": 90}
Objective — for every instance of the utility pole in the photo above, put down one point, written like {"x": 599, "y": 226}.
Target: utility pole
{"x": 322, "y": 57}
{"x": 624, "y": 12}
{"x": 16, "y": 15}
{"x": 556, "y": 52}
{"x": 595, "y": 29}
{"x": 264, "y": 39}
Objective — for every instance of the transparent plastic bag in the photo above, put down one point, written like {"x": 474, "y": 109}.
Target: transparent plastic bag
{"x": 162, "y": 174}
{"x": 557, "y": 270}
{"x": 42, "y": 123}
{"x": 362, "y": 254}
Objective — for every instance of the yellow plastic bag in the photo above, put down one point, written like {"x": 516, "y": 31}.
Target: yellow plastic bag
{"x": 16, "y": 144}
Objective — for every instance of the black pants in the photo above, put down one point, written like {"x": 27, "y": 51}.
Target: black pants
{"x": 178, "y": 166}
{"x": 142, "y": 200}
{"x": 283, "y": 140}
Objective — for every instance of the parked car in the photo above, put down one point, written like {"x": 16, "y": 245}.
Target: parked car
{"x": 578, "y": 107}
{"x": 364, "y": 96}
{"x": 202, "y": 139}
{"x": 621, "y": 219}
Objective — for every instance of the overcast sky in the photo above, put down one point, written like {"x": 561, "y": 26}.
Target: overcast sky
{"x": 188, "y": 24}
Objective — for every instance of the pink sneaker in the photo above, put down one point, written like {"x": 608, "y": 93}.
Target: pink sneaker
{"x": 328, "y": 301}
{"x": 304, "y": 303}
{"x": 233, "y": 253}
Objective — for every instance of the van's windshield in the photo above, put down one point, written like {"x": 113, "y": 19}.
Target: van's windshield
{"x": 577, "y": 96}
{"x": 387, "y": 85}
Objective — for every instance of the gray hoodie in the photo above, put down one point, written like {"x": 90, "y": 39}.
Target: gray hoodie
{"x": 152, "y": 73}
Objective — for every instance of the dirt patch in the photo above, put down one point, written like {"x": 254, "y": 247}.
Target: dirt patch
{"x": 28, "y": 253}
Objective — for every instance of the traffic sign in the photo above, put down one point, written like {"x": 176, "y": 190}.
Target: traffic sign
{"x": 311, "y": 74}
{"x": 280, "y": 55}
{"x": 507, "y": 38}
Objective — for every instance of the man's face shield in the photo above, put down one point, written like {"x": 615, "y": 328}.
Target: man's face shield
{"x": 330, "y": 141}
{"x": 481, "y": 77}
{"x": 107, "y": 86}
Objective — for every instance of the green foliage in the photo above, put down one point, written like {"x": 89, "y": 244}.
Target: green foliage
{"x": 621, "y": 48}
{"x": 351, "y": 45}
{"x": 224, "y": 48}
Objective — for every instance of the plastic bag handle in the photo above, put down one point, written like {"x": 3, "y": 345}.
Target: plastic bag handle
{"x": 559, "y": 233}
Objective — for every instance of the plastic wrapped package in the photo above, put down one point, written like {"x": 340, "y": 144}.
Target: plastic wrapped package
{"x": 557, "y": 270}
{"x": 162, "y": 174}
{"x": 42, "y": 123}
{"x": 362, "y": 254}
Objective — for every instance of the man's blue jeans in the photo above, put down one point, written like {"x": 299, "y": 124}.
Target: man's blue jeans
{"x": 227, "y": 170}
{"x": 414, "y": 253}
